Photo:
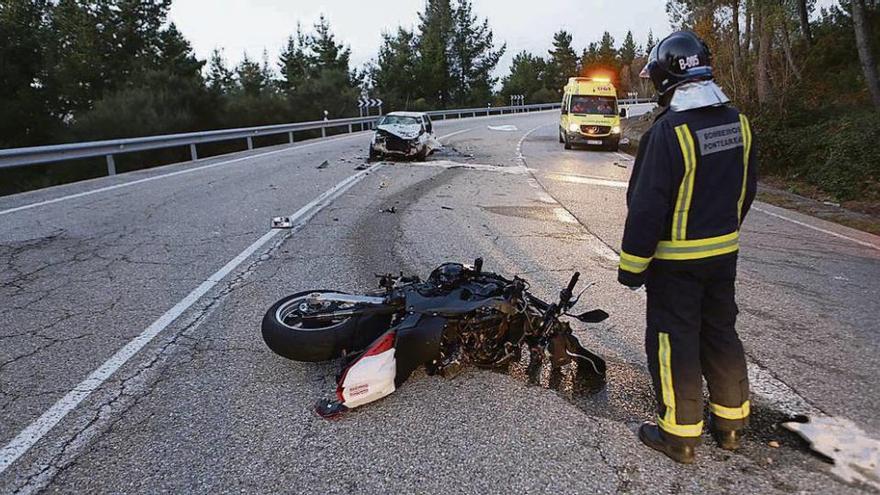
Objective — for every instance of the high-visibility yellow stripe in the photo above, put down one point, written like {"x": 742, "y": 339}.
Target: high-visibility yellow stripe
{"x": 633, "y": 263}
{"x": 686, "y": 188}
{"x": 668, "y": 422}
{"x": 698, "y": 248}
{"x": 681, "y": 430}
{"x": 747, "y": 147}
{"x": 731, "y": 413}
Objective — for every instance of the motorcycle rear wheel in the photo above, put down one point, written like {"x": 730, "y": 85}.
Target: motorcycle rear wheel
{"x": 295, "y": 339}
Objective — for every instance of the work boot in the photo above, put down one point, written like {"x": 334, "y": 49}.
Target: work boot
{"x": 650, "y": 435}
{"x": 727, "y": 440}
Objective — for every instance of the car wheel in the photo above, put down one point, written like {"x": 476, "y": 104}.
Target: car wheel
{"x": 567, "y": 144}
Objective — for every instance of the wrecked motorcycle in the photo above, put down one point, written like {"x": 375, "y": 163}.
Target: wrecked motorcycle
{"x": 460, "y": 315}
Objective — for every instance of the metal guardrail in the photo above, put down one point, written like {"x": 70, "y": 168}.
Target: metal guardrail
{"x": 19, "y": 157}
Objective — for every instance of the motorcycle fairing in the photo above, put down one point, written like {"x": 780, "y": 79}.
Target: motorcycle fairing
{"x": 371, "y": 376}
{"x": 418, "y": 342}
{"x": 387, "y": 363}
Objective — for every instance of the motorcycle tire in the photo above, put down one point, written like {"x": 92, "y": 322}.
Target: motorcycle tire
{"x": 313, "y": 344}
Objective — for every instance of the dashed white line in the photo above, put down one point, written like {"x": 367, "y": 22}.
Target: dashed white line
{"x": 42, "y": 425}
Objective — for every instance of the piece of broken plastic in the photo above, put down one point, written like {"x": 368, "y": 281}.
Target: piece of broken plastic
{"x": 282, "y": 223}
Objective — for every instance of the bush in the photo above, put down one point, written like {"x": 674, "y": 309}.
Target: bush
{"x": 834, "y": 151}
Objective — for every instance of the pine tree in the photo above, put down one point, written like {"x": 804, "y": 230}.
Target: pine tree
{"x": 221, "y": 80}
{"x": 473, "y": 56}
{"x": 26, "y": 113}
{"x": 563, "y": 62}
{"x": 435, "y": 31}
{"x": 251, "y": 77}
{"x": 294, "y": 63}
{"x": 607, "y": 54}
{"x": 628, "y": 49}
{"x": 649, "y": 45}
{"x": 393, "y": 74}
{"x": 525, "y": 78}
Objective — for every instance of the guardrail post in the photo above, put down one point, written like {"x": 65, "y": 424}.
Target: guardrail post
{"x": 350, "y": 129}
{"x": 111, "y": 165}
{"x": 290, "y": 137}
{"x": 323, "y": 132}
{"x": 193, "y": 152}
{"x": 250, "y": 142}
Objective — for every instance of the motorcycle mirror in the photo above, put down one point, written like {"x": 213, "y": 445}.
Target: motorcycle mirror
{"x": 594, "y": 316}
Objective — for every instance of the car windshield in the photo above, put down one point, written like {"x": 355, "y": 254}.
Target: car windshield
{"x": 399, "y": 120}
{"x": 594, "y": 105}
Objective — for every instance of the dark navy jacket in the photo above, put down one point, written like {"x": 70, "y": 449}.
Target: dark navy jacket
{"x": 692, "y": 184}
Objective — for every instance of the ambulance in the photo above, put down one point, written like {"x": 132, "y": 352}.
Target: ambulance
{"x": 589, "y": 114}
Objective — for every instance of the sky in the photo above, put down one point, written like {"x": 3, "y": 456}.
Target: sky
{"x": 254, "y": 25}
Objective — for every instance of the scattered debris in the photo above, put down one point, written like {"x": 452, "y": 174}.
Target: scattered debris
{"x": 362, "y": 166}
{"x": 618, "y": 164}
{"x": 624, "y": 140}
{"x": 856, "y": 456}
{"x": 282, "y": 223}
{"x": 446, "y": 208}
{"x": 504, "y": 128}
{"x": 389, "y": 210}
{"x": 831, "y": 203}
{"x": 773, "y": 444}
{"x": 324, "y": 165}
{"x": 383, "y": 185}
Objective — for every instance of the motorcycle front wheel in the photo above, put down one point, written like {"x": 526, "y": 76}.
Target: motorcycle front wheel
{"x": 292, "y": 337}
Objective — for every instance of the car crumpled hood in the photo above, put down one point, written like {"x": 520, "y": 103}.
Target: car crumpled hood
{"x": 401, "y": 130}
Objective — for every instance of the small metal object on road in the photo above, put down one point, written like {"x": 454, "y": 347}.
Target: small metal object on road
{"x": 446, "y": 208}
{"x": 324, "y": 164}
{"x": 282, "y": 223}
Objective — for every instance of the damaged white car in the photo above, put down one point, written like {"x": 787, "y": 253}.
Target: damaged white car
{"x": 403, "y": 135}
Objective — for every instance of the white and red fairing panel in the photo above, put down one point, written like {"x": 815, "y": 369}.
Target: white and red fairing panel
{"x": 372, "y": 376}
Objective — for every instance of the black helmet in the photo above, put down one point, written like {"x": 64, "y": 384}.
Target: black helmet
{"x": 679, "y": 58}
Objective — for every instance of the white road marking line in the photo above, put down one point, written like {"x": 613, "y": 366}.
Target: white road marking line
{"x": 817, "y": 229}
{"x": 42, "y": 425}
{"x": 456, "y": 133}
{"x": 172, "y": 174}
{"x": 519, "y": 145}
{"x": 582, "y": 179}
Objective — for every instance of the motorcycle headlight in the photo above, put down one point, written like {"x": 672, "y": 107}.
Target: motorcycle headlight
{"x": 615, "y": 129}
{"x": 573, "y": 128}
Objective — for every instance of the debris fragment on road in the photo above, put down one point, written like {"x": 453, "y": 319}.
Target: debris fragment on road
{"x": 282, "y": 223}
{"x": 362, "y": 166}
{"x": 325, "y": 164}
{"x": 504, "y": 128}
{"x": 856, "y": 456}
{"x": 390, "y": 210}
{"x": 446, "y": 208}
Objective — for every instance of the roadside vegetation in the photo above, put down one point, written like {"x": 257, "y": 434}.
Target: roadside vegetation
{"x": 809, "y": 82}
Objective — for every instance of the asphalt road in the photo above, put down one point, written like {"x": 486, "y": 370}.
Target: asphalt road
{"x": 149, "y": 295}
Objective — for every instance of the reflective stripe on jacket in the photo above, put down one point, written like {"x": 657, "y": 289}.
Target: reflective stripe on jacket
{"x": 693, "y": 182}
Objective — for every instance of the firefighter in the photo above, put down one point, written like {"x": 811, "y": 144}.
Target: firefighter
{"x": 692, "y": 184}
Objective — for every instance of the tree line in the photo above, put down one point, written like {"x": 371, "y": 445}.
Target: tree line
{"x": 75, "y": 70}
{"x": 542, "y": 78}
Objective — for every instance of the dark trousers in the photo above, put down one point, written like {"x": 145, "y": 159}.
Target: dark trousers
{"x": 691, "y": 334}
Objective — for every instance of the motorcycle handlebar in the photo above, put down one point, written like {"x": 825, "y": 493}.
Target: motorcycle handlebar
{"x": 573, "y": 282}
